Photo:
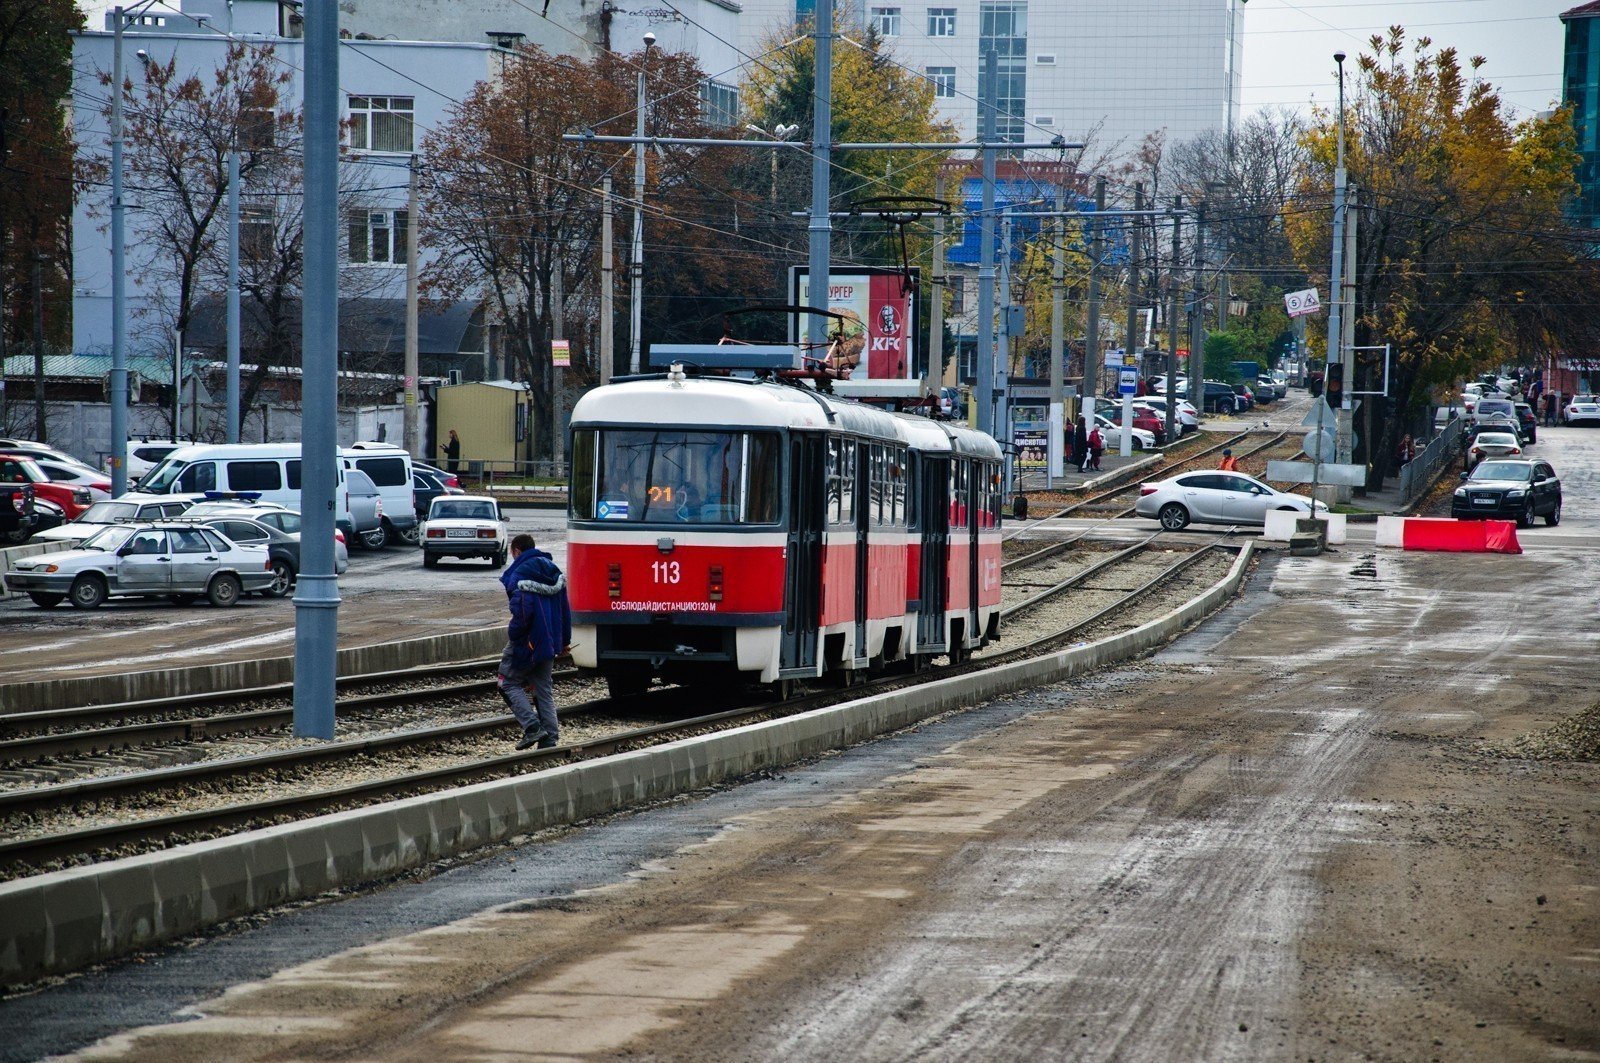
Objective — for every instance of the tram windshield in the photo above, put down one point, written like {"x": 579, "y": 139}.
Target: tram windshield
{"x": 676, "y": 476}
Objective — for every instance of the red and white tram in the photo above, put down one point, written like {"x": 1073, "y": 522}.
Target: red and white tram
{"x": 723, "y": 527}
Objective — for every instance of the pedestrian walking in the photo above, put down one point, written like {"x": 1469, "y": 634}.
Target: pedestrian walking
{"x": 1229, "y": 462}
{"x": 452, "y": 453}
{"x": 1550, "y": 409}
{"x": 1080, "y": 445}
{"x": 1097, "y": 447}
{"x": 540, "y": 631}
{"x": 1408, "y": 450}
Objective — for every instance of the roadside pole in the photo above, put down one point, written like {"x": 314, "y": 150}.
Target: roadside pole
{"x": 985, "y": 360}
{"x": 820, "y": 225}
{"x": 1172, "y": 320}
{"x": 412, "y": 366}
{"x": 933, "y": 364}
{"x": 1129, "y": 357}
{"x": 1092, "y": 358}
{"x": 232, "y": 419}
{"x": 1058, "y": 387}
{"x": 607, "y": 285}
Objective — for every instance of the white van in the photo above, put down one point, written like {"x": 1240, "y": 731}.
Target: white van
{"x": 390, "y": 468}
{"x": 269, "y": 470}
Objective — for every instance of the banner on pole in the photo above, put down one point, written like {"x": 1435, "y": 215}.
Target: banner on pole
{"x": 561, "y": 353}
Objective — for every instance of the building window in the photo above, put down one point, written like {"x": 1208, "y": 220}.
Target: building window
{"x": 941, "y": 22}
{"x": 378, "y": 237}
{"x": 255, "y": 234}
{"x": 886, "y": 20}
{"x": 958, "y": 294}
{"x": 720, "y": 103}
{"x": 382, "y": 123}
{"x": 944, "y": 81}
{"x": 1003, "y": 29}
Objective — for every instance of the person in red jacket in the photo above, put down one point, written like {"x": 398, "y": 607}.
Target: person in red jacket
{"x": 539, "y": 632}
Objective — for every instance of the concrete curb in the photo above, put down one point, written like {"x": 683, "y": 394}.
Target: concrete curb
{"x": 65, "y": 920}
{"x": 77, "y": 692}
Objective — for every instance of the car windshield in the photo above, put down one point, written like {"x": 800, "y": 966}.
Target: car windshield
{"x": 160, "y": 478}
{"x": 676, "y": 475}
{"x": 108, "y": 513}
{"x": 108, "y": 539}
{"x": 1503, "y": 470}
{"x": 458, "y": 509}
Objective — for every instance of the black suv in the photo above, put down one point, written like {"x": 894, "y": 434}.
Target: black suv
{"x": 1509, "y": 489}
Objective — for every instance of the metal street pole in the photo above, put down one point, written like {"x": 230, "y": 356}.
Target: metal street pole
{"x": 820, "y": 226}
{"x": 986, "y": 133}
{"x": 1346, "y": 442}
{"x": 119, "y": 294}
{"x": 558, "y": 331}
{"x": 232, "y": 416}
{"x": 1172, "y": 321}
{"x": 933, "y": 370}
{"x": 177, "y": 385}
{"x": 1197, "y": 319}
{"x": 316, "y": 599}
{"x": 38, "y": 347}
{"x": 1055, "y": 452}
{"x": 1129, "y": 355}
{"x": 636, "y": 258}
{"x": 1091, "y": 340}
{"x": 1336, "y": 278}
{"x": 413, "y": 366}
{"x": 607, "y": 285}
{"x": 1002, "y": 345}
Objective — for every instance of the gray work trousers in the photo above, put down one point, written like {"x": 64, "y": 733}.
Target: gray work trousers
{"x": 515, "y": 679}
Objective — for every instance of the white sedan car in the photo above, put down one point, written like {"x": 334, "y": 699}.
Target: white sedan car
{"x": 465, "y": 526}
{"x": 1583, "y": 408}
{"x": 1216, "y": 498}
{"x": 1112, "y": 433}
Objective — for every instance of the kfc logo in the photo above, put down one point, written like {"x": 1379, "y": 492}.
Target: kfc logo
{"x": 888, "y": 320}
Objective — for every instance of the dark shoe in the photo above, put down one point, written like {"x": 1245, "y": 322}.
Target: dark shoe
{"x": 548, "y": 742}
{"x": 537, "y": 736}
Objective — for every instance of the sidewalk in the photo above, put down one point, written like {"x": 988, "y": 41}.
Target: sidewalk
{"x": 1111, "y": 463}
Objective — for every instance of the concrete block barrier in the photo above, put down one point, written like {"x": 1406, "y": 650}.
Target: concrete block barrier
{"x": 1281, "y": 524}
{"x": 1449, "y": 535}
{"x": 77, "y": 692}
{"x": 61, "y": 921}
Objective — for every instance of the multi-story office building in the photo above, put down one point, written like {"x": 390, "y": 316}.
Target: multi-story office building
{"x": 1580, "y": 89}
{"x": 1111, "y": 71}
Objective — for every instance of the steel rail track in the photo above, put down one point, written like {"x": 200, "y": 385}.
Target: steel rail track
{"x": 21, "y": 752}
{"x": 208, "y": 822}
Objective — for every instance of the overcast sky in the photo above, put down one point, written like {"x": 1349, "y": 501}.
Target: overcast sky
{"x": 1289, "y": 44}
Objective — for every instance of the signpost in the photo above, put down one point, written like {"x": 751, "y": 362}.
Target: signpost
{"x": 1302, "y": 303}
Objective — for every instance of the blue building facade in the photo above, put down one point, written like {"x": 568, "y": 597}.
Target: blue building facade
{"x": 1580, "y": 89}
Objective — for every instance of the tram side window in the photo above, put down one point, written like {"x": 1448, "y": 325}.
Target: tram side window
{"x": 582, "y": 491}
{"x": 880, "y": 486}
{"x": 958, "y": 493}
{"x": 897, "y": 473}
{"x": 991, "y": 496}
{"x": 842, "y": 481}
{"x": 764, "y": 463}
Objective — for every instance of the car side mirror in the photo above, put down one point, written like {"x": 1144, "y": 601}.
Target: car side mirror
{"x": 1255, "y": 490}
{"x": 1465, "y": 475}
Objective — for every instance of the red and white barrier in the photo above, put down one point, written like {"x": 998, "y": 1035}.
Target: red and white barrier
{"x": 1448, "y": 534}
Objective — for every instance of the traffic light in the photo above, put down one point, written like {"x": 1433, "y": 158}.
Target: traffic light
{"x": 1333, "y": 385}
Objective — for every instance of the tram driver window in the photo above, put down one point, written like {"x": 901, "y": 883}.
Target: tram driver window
{"x": 678, "y": 476}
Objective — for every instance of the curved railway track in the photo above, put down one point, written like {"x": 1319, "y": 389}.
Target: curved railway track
{"x": 144, "y": 789}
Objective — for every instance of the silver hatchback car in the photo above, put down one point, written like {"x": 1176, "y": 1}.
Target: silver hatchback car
{"x": 175, "y": 559}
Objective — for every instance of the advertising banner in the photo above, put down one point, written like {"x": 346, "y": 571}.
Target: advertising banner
{"x": 1032, "y": 439}
{"x": 880, "y": 320}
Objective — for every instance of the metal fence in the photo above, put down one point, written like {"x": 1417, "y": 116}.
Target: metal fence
{"x": 1418, "y": 473}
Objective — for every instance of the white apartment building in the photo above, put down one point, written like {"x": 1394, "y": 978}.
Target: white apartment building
{"x": 1113, "y": 71}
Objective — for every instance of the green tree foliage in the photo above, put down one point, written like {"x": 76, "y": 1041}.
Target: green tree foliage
{"x": 1466, "y": 260}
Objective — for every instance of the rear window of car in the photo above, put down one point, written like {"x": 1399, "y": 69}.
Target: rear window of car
{"x": 385, "y": 472}
{"x": 1499, "y": 439}
{"x": 1495, "y": 406}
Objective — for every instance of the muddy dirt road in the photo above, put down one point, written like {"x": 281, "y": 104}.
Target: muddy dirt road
{"x": 1284, "y": 837}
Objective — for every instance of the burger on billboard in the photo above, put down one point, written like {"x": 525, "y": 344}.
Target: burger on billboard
{"x": 880, "y": 325}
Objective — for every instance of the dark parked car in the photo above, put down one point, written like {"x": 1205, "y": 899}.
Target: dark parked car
{"x": 427, "y": 484}
{"x": 1509, "y": 489}
{"x": 17, "y": 513}
{"x": 1220, "y": 398}
{"x": 283, "y": 549}
{"x": 1528, "y": 421}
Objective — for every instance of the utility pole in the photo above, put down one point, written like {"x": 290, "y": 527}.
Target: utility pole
{"x": 38, "y": 347}
{"x": 1334, "y": 352}
{"x": 986, "y": 134}
{"x": 1347, "y": 325}
{"x": 1091, "y": 341}
{"x": 607, "y": 283}
{"x": 413, "y": 365}
{"x": 558, "y": 331}
{"x": 1197, "y": 320}
{"x": 231, "y": 419}
{"x": 316, "y": 598}
{"x": 819, "y": 227}
{"x": 1056, "y": 459}
{"x": 933, "y": 371}
{"x": 1172, "y": 320}
{"x": 119, "y": 278}
{"x": 1002, "y": 347}
{"x": 177, "y": 385}
{"x": 1129, "y": 355}
{"x": 636, "y": 259}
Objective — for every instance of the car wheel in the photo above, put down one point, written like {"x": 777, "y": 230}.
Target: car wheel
{"x": 498, "y": 560}
{"x": 88, "y": 591}
{"x": 375, "y": 539}
{"x": 44, "y": 600}
{"x": 223, "y": 590}
{"x": 1554, "y": 516}
{"x": 1138, "y": 444}
{"x": 282, "y": 579}
{"x": 1174, "y": 517}
{"x": 412, "y": 536}
{"x": 429, "y": 560}
{"x": 1525, "y": 518}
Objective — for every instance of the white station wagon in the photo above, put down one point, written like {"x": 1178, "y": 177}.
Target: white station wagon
{"x": 465, "y": 526}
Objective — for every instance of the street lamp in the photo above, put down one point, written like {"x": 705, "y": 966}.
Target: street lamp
{"x": 782, "y": 132}
{"x": 1335, "y": 351}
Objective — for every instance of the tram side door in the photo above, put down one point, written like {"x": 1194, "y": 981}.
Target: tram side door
{"x": 802, "y": 593}
{"x": 933, "y": 498}
{"x": 976, "y": 471}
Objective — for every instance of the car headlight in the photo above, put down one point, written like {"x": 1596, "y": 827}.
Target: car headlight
{"x": 1461, "y": 492}
{"x": 1515, "y": 494}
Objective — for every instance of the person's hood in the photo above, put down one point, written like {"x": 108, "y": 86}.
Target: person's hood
{"x": 533, "y": 586}
{"x": 532, "y": 564}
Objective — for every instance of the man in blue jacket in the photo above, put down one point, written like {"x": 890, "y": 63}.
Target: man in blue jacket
{"x": 539, "y": 632}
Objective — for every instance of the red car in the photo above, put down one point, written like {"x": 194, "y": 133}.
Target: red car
{"x": 1148, "y": 419}
{"x": 17, "y": 469}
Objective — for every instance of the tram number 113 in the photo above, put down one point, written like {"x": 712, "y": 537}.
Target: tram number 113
{"x": 665, "y": 571}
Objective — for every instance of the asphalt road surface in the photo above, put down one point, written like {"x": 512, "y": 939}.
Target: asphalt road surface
{"x": 1289, "y": 835}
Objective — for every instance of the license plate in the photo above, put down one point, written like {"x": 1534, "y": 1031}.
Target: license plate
{"x": 460, "y": 533}
{"x": 1483, "y": 501}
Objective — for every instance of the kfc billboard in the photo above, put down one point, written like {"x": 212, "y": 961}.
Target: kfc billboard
{"x": 880, "y": 323}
